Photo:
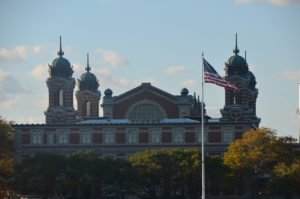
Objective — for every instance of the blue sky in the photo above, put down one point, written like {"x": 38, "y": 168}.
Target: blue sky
{"x": 134, "y": 41}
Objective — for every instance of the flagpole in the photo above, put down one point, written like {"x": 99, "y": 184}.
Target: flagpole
{"x": 202, "y": 133}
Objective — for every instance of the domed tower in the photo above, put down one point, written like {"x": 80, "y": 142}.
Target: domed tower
{"x": 239, "y": 105}
{"x": 61, "y": 87}
{"x": 88, "y": 95}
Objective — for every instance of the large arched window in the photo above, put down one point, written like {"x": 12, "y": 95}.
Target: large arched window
{"x": 61, "y": 97}
{"x": 146, "y": 112}
{"x": 88, "y": 108}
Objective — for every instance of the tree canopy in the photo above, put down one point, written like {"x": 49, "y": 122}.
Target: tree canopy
{"x": 6, "y": 153}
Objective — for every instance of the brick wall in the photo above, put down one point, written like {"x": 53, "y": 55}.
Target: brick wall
{"x": 120, "y": 138}
{"x": 74, "y": 138}
{"x": 215, "y": 137}
{"x": 143, "y": 137}
{"x": 189, "y": 137}
{"x": 26, "y": 139}
{"x": 171, "y": 109}
{"x": 97, "y": 138}
{"x": 166, "y": 137}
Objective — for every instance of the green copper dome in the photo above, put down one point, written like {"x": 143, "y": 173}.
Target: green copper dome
{"x": 184, "y": 92}
{"x": 252, "y": 80}
{"x": 60, "y": 67}
{"x": 108, "y": 92}
{"x": 236, "y": 60}
{"x": 236, "y": 64}
{"x": 88, "y": 80}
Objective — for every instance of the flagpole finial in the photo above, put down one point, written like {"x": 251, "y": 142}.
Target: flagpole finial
{"x": 87, "y": 63}
{"x": 60, "y": 52}
{"x": 236, "y": 50}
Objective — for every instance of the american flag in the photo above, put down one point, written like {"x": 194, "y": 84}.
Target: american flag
{"x": 211, "y": 76}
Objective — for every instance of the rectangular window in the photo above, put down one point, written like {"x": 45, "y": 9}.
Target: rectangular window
{"x": 199, "y": 135}
{"x": 36, "y": 139}
{"x": 63, "y": 139}
{"x": 109, "y": 138}
{"x": 86, "y": 138}
{"x": 155, "y": 136}
{"x": 178, "y": 137}
{"x": 132, "y": 136}
{"x": 227, "y": 136}
{"x": 50, "y": 138}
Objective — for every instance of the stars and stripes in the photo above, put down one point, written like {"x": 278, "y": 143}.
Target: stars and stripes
{"x": 211, "y": 76}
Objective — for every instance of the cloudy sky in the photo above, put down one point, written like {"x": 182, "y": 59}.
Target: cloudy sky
{"x": 134, "y": 41}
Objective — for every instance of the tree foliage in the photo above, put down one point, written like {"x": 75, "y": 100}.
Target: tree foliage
{"x": 6, "y": 153}
{"x": 176, "y": 173}
{"x": 257, "y": 152}
{"x": 264, "y": 160}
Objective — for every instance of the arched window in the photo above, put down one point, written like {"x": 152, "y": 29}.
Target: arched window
{"x": 61, "y": 97}
{"x": 88, "y": 108}
{"x": 146, "y": 113}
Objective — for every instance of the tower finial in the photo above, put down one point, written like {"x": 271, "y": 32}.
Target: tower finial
{"x": 236, "y": 50}
{"x": 245, "y": 55}
{"x": 60, "y": 52}
{"x": 87, "y": 68}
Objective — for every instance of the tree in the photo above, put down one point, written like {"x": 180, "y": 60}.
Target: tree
{"x": 176, "y": 173}
{"x": 286, "y": 179}
{"x": 42, "y": 174}
{"x": 255, "y": 156}
{"x": 6, "y": 153}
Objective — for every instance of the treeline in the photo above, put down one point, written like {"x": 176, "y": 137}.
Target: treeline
{"x": 259, "y": 163}
{"x": 153, "y": 174}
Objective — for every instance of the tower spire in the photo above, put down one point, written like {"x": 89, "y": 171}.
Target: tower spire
{"x": 87, "y": 68}
{"x": 60, "y": 52}
{"x": 236, "y": 50}
{"x": 245, "y": 55}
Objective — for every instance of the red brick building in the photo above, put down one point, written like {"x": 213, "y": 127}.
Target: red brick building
{"x": 143, "y": 118}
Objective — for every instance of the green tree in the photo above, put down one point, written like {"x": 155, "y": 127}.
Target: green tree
{"x": 6, "y": 153}
{"x": 255, "y": 156}
{"x": 42, "y": 174}
{"x": 176, "y": 173}
{"x": 286, "y": 179}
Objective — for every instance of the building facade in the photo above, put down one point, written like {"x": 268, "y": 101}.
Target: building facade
{"x": 140, "y": 119}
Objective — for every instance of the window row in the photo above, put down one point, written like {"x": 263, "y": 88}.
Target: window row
{"x": 132, "y": 137}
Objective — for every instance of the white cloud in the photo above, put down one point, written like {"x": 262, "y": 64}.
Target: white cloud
{"x": 40, "y": 72}
{"x": 290, "y": 75}
{"x": 30, "y": 120}
{"x": 112, "y": 58}
{"x": 274, "y": 2}
{"x": 251, "y": 68}
{"x": 17, "y": 54}
{"x": 149, "y": 80}
{"x": 175, "y": 69}
{"x": 38, "y": 50}
{"x": 42, "y": 102}
{"x": 78, "y": 70}
{"x": 69, "y": 51}
{"x": 190, "y": 83}
{"x": 213, "y": 111}
{"x": 106, "y": 79}
{"x": 11, "y": 91}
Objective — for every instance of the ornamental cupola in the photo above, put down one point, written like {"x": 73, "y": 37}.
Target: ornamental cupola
{"x": 88, "y": 95}
{"x": 88, "y": 80}
{"x": 60, "y": 67}
{"x": 61, "y": 88}
{"x": 236, "y": 64}
{"x": 240, "y": 105}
